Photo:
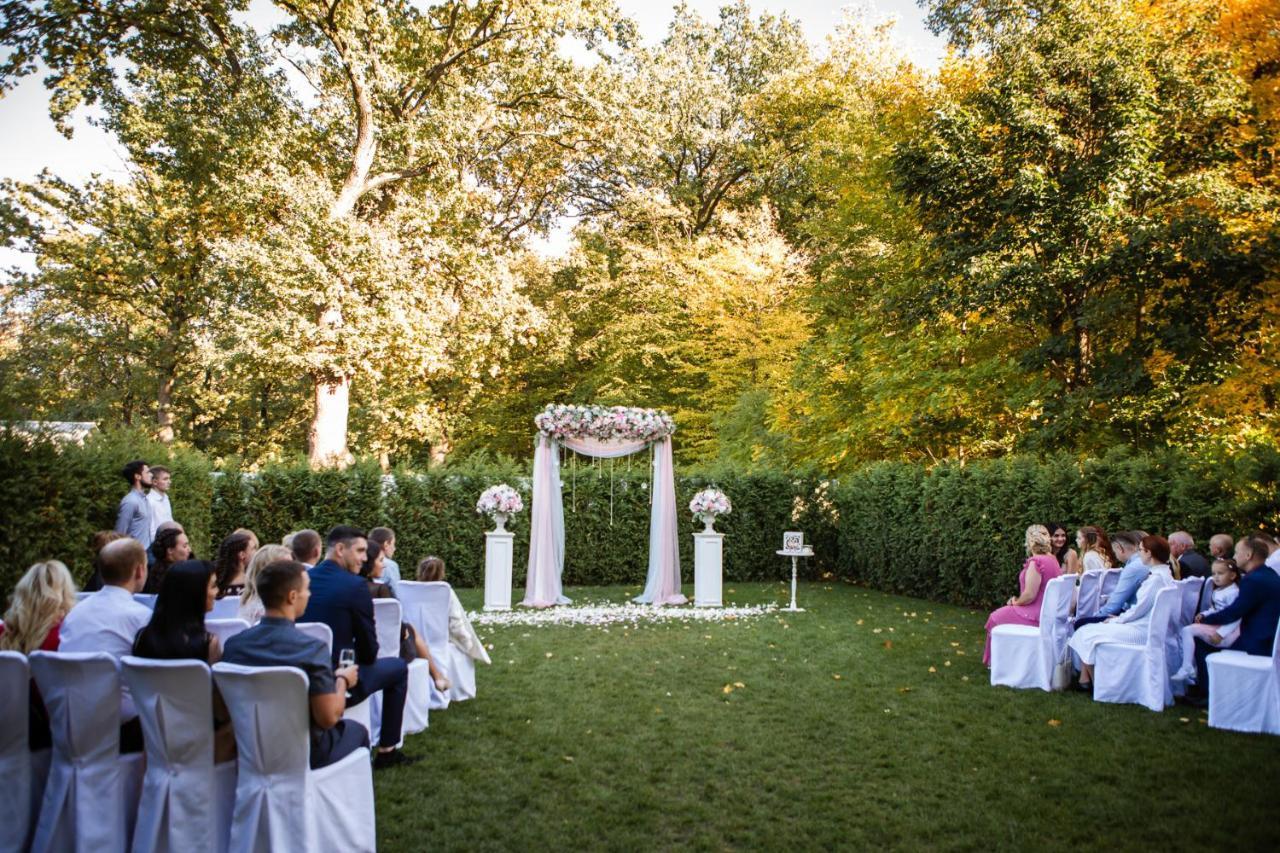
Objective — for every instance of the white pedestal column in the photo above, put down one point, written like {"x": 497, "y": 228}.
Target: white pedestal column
{"x": 498, "y": 550}
{"x": 708, "y": 569}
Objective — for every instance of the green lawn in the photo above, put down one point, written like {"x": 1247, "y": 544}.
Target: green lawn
{"x": 865, "y": 722}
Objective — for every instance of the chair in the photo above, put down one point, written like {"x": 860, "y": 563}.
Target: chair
{"x": 1089, "y": 599}
{"x": 430, "y": 603}
{"x": 387, "y": 621}
{"x": 1110, "y": 578}
{"x": 318, "y": 630}
{"x": 92, "y": 794}
{"x": 357, "y": 713}
{"x": 174, "y": 699}
{"x": 146, "y": 599}
{"x": 19, "y": 810}
{"x": 1244, "y": 690}
{"x": 1191, "y": 590}
{"x": 224, "y": 628}
{"x": 225, "y": 608}
{"x": 281, "y": 803}
{"x": 1024, "y": 656}
{"x": 1139, "y": 673}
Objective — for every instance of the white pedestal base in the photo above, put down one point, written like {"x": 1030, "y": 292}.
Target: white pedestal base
{"x": 498, "y": 550}
{"x": 708, "y": 569}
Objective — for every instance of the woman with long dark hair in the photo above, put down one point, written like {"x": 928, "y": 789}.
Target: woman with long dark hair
{"x": 169, "y": 547}
{"x": 1068, "y": 559}
{"x": 176, "y": 632}
{"x": 371, "y": 571}
{"x": 233, "y": 561}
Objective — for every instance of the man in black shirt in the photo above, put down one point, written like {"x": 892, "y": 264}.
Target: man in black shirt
{"x": 285, "y": 588}
{"x": 1183, "y": 550}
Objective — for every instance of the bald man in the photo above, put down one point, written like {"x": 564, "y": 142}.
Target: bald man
{"x": 1221, "y": 546}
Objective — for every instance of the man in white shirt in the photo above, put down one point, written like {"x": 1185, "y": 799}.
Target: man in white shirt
{"x": 386, "y": 539}
{"x": 108, "y": 621}
{"x": 158, "y": 498}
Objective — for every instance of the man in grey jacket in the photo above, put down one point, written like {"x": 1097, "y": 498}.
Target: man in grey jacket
{"x": 133, "y": 519}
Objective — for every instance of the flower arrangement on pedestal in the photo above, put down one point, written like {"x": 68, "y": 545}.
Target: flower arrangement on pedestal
{"x": 499, "y": 502}
{"x": 605, "y": 423}
{"x": 707, "y": 505}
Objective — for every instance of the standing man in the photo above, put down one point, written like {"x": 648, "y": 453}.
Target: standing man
{"x": 386, "y": 539}
{"x": 1183, "y": 550}
{"x": 158, "y": 498}
{"x": 133, "y": 519}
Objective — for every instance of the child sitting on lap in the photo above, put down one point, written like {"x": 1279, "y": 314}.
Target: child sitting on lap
{"x": 1226, "y": 576}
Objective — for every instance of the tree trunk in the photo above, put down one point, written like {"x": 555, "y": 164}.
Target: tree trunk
{"x": 327, "y": 441}
{"x": 440, "y": 451}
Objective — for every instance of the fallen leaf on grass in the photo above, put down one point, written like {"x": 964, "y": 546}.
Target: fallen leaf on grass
{"x": 933, "y": 669}
{"x": 568, "y": 758}
{"x": 739, "y": 685}
{"x": 877, "y": 630}
{"x": 888, "y": 644}
{"x": 1055, "y": 723}
{"x": 728, "y": 688}
{"x": 548, "y": 654}
{"x": 1184, "y": 719}
{"x": 946, "y": 663}
{"x": 859, "y": 622}
{"x": 904, "y": 689}
{"x": 837, "y": 676}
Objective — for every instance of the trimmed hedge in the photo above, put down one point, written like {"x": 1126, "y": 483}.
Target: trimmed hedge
{"x": 950, "y": 532}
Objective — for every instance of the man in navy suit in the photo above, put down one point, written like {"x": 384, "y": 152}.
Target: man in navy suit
{"x": 1257, "y": 608}
{"x": 340, "y": 599}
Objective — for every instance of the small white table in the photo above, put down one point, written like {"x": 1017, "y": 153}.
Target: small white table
{"x": 795, "y": 557}
{"x": 708, "y": 569}
{"x": 499, "y": 547}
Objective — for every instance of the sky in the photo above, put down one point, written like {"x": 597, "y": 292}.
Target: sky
{"x": 30, "y": 142}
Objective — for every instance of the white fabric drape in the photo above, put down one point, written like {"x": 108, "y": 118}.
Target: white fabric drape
{"x": 546, "y": 535}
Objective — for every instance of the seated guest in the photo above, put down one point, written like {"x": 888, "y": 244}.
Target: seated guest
{"x": 385, "y": 538}
{"x": 340, "y": 598}
{"x": 461, "y": 634}
{"x": 1130, "y": 625}
{"x": 1222, "y": 546}
{"x": 1189, "y": 562}
{"x": 1257, "y": 607}
{"x": 1066, "y": 556}
{"x": 1095, "y": 549}
{"x": 284, "y": 588}
{"x": 1226, "y": 589}
{"x": 100, "y": 539}
{"x": 251, "y": 608}
{"x": 1125, "y": 546}
{"x": 109, "y": 620}
{"x": 1040, "y": 567}
{"x": 233, "y": 561}
{"x": 169, "y": 547}
{"x": 412, "y": 646}
{"x": 176, "y": 632}
{"x": 306, "y": 546}
{"x": 41, "y": 600}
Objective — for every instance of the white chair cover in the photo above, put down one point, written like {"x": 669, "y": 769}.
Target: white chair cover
{"x": 1244, "y": 690}
{"x": 455, "y": 663}
{"x": 174, "y": 699}
{"x": 224, "y": 629}
{"x": 1189, "y": 590}
{"x": 1128, "y": 672}
{"x": 386, "y": 621}
{"x": 225, "y": 608}
{"x": 1110, "y": 578}
{"x": 18, "y": 808}
{"x": 430, "y": 618}
{"x": 1090, "y": 596}
{"x": 1023, "y": 656}
{"x": 281, "y": 803}
{"x": 318, "y": 630}
{"x": 92, "y": 793}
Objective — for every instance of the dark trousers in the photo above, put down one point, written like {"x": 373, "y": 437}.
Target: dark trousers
{"x": 329, "y": 746}
{"x": 1089, "y": 620}
{"x": 1203, "y": 650}
{"x": 391, "y": 676}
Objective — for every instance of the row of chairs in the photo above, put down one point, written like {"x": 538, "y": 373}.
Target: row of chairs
{"x": 1244, "y": 692}
{"x": 83, "y": 795}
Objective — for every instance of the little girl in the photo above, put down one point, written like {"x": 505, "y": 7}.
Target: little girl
{"x": 1225, "y": 590}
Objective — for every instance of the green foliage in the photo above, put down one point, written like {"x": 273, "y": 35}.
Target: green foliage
{"x": 54, "y": 498}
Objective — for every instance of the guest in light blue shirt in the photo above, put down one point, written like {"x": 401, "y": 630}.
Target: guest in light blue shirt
{"x": 1135, "y": 571}
{"x": 386, "y": 538}
{"x": 133, "y": 519}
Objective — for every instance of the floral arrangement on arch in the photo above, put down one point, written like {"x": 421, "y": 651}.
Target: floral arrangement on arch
{"x": 604, "y": 423}
{"x": 499, "y": 500}
{"x": 711, "y": 502}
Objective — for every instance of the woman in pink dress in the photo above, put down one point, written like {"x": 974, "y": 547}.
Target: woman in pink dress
{"x": 1040, "y": 568}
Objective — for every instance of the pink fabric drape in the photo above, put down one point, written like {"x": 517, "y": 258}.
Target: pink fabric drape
{"x": 663, "y": 583}
{"x": 546, "y": 529}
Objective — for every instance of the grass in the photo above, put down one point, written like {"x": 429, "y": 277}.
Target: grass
{"x": 867, "y": 721}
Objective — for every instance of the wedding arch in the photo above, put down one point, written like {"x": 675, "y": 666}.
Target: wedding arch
{"x": 604, "y": 433}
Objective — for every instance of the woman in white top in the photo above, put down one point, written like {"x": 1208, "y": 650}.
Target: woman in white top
{"x": 461, "y": 634}
{"x": 1095, "y": 549}
{"x": 251, "y": 608}
{"x": 1131, "y": 625}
